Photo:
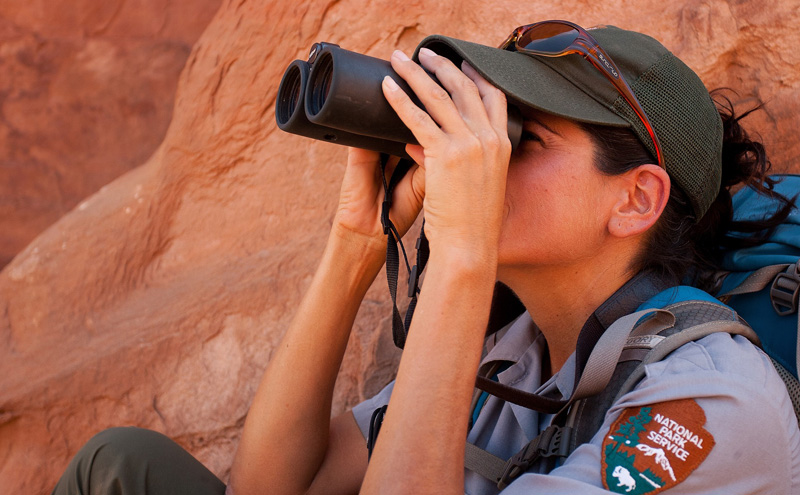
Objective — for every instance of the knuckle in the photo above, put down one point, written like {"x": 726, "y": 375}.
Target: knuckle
{"x": 497, "y": 93}
{"x": 506, "y": 146}
{"x": 439, "y": 94}
{"x": 491, "y": 140}
{"x": 466, "y": 85}
{"x": 417, "y": 116}
{"x": 470, "y": 144}
{"x": 439, "y": 62}
{"x": 504, "y": 149}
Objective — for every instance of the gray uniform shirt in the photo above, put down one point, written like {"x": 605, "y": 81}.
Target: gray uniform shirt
{"x": 747, "y": 408}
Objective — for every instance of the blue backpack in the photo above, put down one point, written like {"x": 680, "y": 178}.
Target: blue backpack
{"x": 763, "y": 282}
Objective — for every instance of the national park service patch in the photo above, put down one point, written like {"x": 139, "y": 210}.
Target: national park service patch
{"x": 652, "y": 448}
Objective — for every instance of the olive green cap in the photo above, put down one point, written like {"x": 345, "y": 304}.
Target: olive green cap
{"x": 674, "y": 98}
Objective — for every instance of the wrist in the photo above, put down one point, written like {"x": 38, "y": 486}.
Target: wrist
{"x": 467, "y": 259}
{"x": 346, "y": 238}
{"x": 359, "y": 257}
{"x": 473, "y": 272}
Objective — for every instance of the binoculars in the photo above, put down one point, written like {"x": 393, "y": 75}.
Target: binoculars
{"x": 336, "y": 97}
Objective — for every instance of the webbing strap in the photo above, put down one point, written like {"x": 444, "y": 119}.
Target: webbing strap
{"x": 520, "y": 397}
{"x": 393, "y": 239}
{"x": 757, "y": 280}
{"x": 554, "y": 441}
{"x": 640, "y": 288}
{"x": 603, "y": 360}
{"x": 769, "y": 275}
{"x": 550, "y": 443}
{"x": 484, "y": 463}
{"x": 673, "y": 342}
{"x": 423, "y": 252}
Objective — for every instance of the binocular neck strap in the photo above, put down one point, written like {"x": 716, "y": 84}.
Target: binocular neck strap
{"x": 399, "y": 326}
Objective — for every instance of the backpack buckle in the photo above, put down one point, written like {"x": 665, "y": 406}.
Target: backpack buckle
{"x": 785, "y": 289}
{"x": 553, "y": 441}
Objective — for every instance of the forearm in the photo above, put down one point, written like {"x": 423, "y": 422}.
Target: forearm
{"x": 421, "y": 444}
{"x": 286, "y": 433}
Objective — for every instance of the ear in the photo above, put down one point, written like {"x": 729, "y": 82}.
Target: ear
{"x": 644, "y": 192}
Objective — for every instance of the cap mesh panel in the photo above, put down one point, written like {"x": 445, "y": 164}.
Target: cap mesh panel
{"x": 687, "y": 124}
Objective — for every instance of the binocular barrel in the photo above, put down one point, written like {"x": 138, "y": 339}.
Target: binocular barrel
{"x": 290, "y": 115}
{"x": 337, "y": 97}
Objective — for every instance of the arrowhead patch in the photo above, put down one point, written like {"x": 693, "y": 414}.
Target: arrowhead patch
{"x": 653, "y": 448}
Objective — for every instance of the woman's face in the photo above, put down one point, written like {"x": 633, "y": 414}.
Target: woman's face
{"x": 557, "y": 203}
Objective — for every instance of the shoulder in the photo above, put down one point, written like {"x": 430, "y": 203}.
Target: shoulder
{"x": 732, "y": 358}
{"x": 727, "y": 387}
{"x": 710, "y": 401}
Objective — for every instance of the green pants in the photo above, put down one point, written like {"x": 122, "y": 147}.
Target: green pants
{"x": 134, "y": 461}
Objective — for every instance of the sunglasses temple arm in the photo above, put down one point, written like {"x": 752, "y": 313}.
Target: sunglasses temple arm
{"x": 593, "y": 54}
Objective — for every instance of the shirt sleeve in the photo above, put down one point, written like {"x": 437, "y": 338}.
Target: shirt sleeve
{"x": 363, "y": 411}
{"x": 756, "y": 441}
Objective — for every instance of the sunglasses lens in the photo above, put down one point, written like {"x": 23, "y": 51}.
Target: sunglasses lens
{"x": 548, "y": 38}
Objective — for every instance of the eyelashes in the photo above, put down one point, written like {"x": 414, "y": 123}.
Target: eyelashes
{"x": 530, "y": 136}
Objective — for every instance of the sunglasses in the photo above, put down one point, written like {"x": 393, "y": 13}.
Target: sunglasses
{"x": 559, "y": 38}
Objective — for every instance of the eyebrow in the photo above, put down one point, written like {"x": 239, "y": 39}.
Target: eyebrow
{"x": 542, "y": 124}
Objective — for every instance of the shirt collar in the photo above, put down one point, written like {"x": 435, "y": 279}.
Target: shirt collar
{"x": 512, "y": 342}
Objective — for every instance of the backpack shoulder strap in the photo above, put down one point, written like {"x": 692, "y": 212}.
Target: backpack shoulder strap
{"x": 646, "y": 342}
{"x": 697, "y": 332}
{"x": 587, "y": 415}
{"x": 676, "y": 340}
{"x": 554, "y": 441}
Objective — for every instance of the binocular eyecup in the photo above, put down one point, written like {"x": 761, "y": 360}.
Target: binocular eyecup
{"x": 336, "y": 97}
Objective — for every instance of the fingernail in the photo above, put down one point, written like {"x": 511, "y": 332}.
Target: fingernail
{"x": 390, "y": 83}
{"x": 427, "y": 52}
{"x": 399, "y": 55}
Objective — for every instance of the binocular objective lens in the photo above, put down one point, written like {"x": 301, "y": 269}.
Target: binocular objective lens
{"x": 290, "y": 95}
{"x": 321, "y": 78}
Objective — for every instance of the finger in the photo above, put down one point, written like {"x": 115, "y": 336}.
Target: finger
{"x": 462, "y": 89}
{"x": 363, "y": 171}
{"x": 433, "y": 96}
{"x": 417, "y": 153}
{"x": 417, "y": 120}
{"x": 493, "y": 99}
{"x": 412, "y": 188}
{"x": 359, "y": 156}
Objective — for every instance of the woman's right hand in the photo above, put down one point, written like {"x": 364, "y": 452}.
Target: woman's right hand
{"x": 358, "y": 216}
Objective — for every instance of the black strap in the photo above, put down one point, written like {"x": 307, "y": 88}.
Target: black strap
{"x": 624, "y": 301}
{"x": 552, "y": 443}
{"x": 519, "y": 397}
{"x": 375, "y": 423}
{"x": 393, "y": 238}
{"x": 423, "y": 252}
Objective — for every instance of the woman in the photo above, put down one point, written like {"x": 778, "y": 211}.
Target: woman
{"x": 609, "y": 186}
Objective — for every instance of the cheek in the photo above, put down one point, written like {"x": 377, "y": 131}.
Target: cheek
{"x": 549, "y": 219}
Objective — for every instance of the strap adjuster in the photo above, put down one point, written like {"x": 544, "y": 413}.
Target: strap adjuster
{"x": 413, "y": 276}
{"x": 552, "y": 442}
{"x": 785, "y": 290}
{"x": 385, "y": 222}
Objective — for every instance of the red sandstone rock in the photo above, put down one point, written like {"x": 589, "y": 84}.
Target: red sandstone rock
{"x": 86, "y": 94}
{"x": 158, "y": 300}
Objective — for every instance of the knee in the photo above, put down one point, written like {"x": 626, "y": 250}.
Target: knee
{"x": 109, "y": 456}
{"x": 125, "y": 441}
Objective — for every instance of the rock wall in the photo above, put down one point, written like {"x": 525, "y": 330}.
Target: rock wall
{"x": 86, "y": 94}
{"x": 157, "y": 301}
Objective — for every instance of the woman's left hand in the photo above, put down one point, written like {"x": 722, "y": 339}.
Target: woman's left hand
{"x": 463, "y": 149}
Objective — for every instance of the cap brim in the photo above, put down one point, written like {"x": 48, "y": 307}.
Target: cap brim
{"x": 528, "y": 80}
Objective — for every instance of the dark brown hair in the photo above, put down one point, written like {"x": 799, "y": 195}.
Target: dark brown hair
{"x": 680, "y": 248}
